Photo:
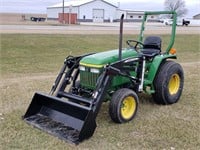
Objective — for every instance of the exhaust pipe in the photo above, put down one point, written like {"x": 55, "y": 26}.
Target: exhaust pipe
{"x": 121, "y": 36}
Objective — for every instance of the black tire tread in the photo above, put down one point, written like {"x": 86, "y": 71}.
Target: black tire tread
{"x": 160, "y": 82}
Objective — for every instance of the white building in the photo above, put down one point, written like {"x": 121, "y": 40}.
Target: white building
{"x": 94, "y": 11}
{"x": 86, "y": 10}
{"x": 131, "y": 15}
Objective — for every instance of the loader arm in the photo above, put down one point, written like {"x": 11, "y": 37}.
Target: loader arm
{"x": 70, "y": 63}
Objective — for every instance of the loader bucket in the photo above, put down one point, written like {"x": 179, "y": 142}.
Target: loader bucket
{"x": 61, "y": 117}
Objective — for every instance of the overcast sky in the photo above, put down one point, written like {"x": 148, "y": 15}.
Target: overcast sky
{"x": 39, "y": 6}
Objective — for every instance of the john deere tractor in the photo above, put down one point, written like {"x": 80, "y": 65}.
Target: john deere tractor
{"x": 70, "y": 109}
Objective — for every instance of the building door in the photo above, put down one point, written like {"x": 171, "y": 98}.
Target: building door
{"x": 98, "y": 15}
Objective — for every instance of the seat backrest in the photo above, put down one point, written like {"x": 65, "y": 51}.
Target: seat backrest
{"x": 152, "y": 42}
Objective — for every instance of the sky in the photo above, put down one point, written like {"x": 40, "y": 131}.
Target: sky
{"x": 39, "y": 6}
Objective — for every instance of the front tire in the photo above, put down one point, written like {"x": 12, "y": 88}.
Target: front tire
{"x": 123, "y": 105}
{"x": 168, "y": 83}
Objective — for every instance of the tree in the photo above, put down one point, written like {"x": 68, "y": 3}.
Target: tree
{"x": 176, "y": 5}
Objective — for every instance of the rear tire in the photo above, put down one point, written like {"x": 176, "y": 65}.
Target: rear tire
{"x": 123, "y": 105}
{"x": 168, "y": 83}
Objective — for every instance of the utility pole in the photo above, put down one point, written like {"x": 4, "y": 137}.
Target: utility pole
{"x": 70, "y": 10}
{"x": 63, "y": 12}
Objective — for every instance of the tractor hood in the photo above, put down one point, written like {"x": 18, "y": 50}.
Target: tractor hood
{"x": 98, "y": 60}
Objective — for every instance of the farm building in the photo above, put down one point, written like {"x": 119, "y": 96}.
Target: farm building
{"x": 91, "y": 11}
{"x": 84, "y": 10}
{"x": 131, "y": 15}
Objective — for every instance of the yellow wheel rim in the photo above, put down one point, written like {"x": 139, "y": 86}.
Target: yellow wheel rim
{"x": 128, "y": 107}
{"x": 174, "y": 84}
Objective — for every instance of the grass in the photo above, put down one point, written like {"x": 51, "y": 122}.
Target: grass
{"x": 35, "y": 53}
{"x": 29, "y": 63}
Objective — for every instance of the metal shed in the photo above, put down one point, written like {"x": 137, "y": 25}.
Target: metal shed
{"x": 86, "y": 10}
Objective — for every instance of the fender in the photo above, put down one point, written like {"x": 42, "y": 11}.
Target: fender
{"x": 154, "y": 67}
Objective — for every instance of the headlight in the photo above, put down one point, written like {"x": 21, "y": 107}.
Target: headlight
{"x": 93, "y": 70}
{"x": 82, "y": 68}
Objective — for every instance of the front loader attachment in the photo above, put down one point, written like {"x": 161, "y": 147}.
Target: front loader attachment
{"x": 62, "y": 113}
{"x": 72, "y": 117}
{"x": 65, "y": 119}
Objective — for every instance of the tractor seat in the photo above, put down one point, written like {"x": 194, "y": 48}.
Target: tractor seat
{"x": 151, "y": 46}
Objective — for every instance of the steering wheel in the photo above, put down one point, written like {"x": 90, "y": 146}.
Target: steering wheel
{"x": 137, "y": 45}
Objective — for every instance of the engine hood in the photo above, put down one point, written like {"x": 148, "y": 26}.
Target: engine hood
{"x": 98, "y": 60}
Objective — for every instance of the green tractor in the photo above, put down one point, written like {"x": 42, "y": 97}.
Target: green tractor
{"x": 70, "y": 109}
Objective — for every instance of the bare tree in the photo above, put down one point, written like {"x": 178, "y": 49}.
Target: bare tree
{"x": 176, "y": 5}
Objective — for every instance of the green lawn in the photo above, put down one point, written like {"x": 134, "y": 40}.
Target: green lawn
{"x": 30, "y": 63}
{"x": 45, "y": 53}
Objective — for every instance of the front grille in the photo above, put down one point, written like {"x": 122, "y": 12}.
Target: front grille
{"x": 88, "y": 79}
